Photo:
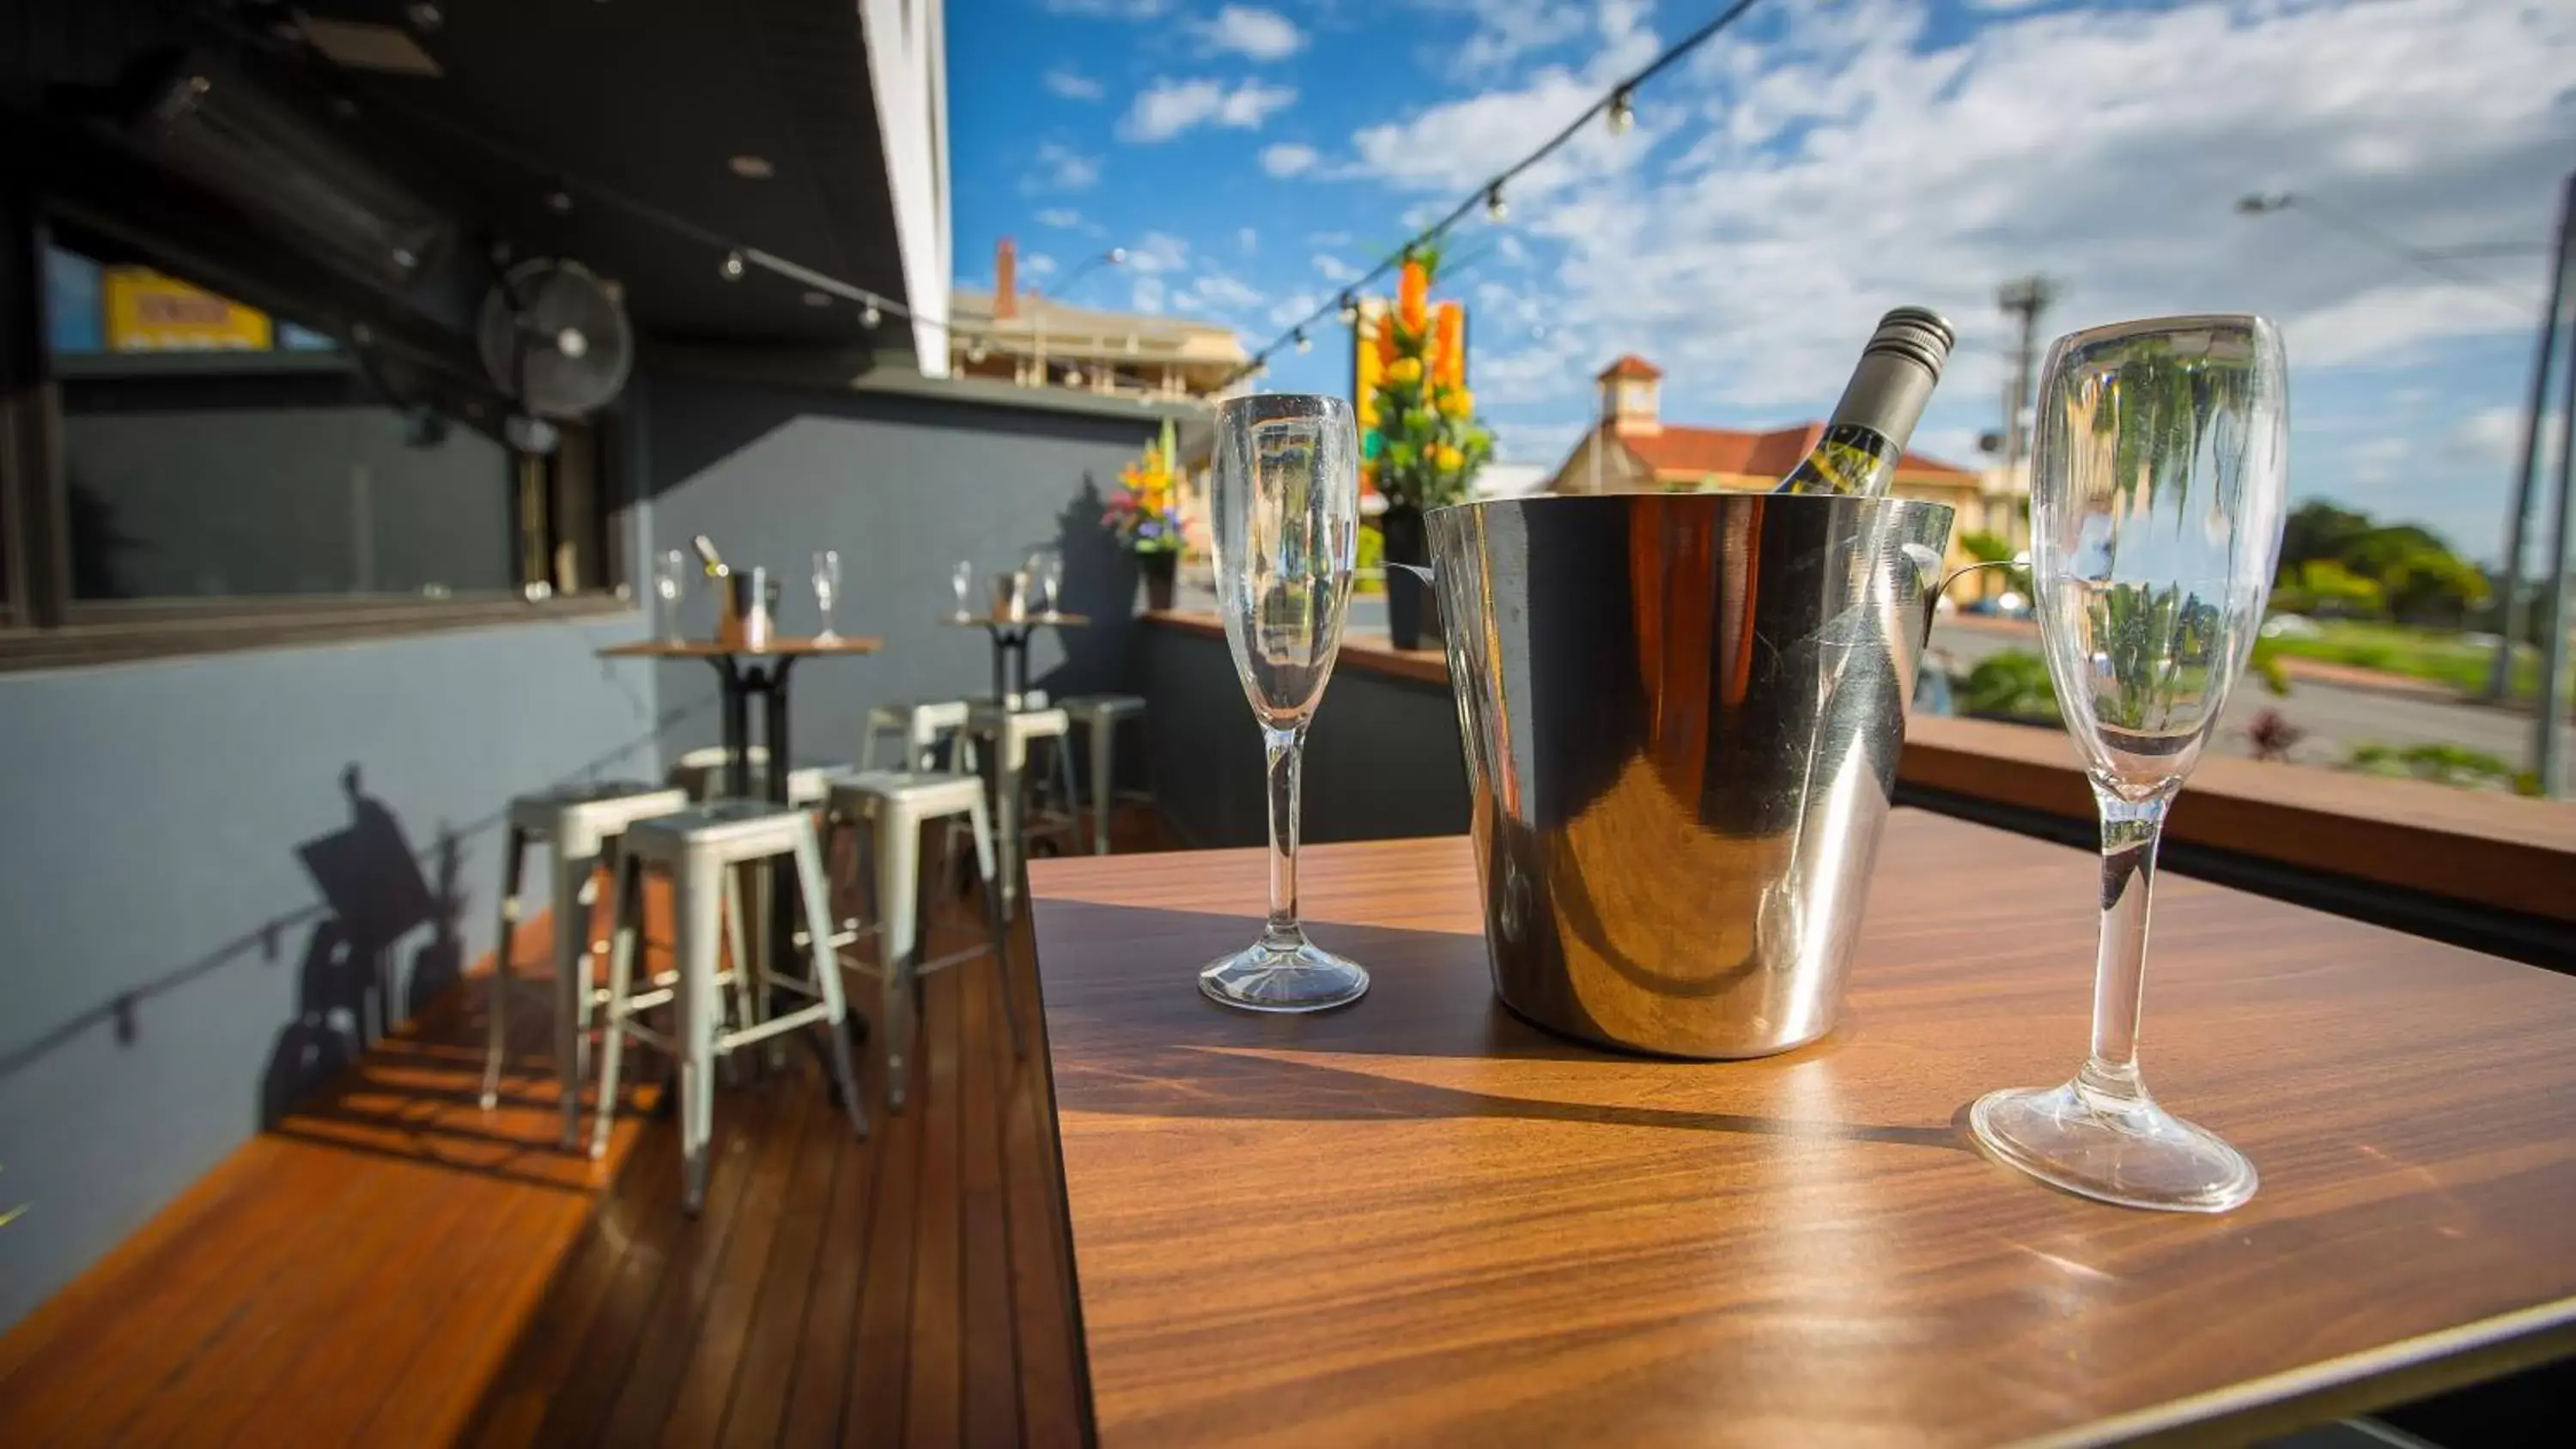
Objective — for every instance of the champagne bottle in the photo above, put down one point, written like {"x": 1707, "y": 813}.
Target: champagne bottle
{"x": 707, "y": 555}
{"x": 1879, "y": 408}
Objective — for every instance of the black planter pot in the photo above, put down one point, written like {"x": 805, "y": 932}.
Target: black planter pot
{"x": 1412, "y": 609}
{"x": 1159, "y": 570}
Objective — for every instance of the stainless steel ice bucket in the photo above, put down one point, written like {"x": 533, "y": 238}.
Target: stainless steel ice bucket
{"x": 1681, "y": 715}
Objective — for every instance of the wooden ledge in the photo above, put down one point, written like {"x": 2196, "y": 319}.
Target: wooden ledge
{"x": 2502, "y": 852}
{"x": 1368, "y": 651}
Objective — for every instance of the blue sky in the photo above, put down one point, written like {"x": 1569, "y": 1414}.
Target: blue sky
{"x": 1823, "y": 161}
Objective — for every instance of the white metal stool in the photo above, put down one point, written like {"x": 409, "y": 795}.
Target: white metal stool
{"x": 702, "y": 773}
{"x": 919, "y": 730}
{"x": 698, "y": 847}
{"x": 889, "y": 810}
{"x": 581, "y": 823}
{"x": 1012, "y": 734}
{"x": 1099, "y": 715}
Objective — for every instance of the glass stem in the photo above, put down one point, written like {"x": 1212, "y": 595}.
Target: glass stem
{"x": 2131, "y": 830}
{"x": 1287, "y": 752}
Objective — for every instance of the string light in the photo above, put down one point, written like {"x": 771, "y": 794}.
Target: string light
{"x": 869, "y": 316}
{"x": 1302, "y": 344}
{"x": 1350, "y": 310}
{"x": 731, "y": 267}
{"x": 1618, "y": 111}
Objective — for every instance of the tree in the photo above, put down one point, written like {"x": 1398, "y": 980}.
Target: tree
{"x": 2317, "y": 529}
{"x": 2325, "y": 588}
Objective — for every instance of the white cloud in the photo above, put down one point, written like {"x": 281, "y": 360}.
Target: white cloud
{"x": 1216, "y": 289}
{"x": 1289, "y": 158}
{"x": 1247, "y": 31}
{"x": 1073, "y": 85}
{"x": 1505, "y": 30}
{"x": 1170, "y": 107}
{"x": 1303, "y": 304}
{"x": 1156, "y": 252}
{"x": 1060, "y": 217}
{"x": 1335, "y": 269}
{"x": 1858, "y": 162}
{"x": 1248, "y": 239}
{"x": 2491, "y": 435}
{"x": 1148, "y": 294}
{"x": 1061, "y": 168}
{"x": 1036, "y": 265}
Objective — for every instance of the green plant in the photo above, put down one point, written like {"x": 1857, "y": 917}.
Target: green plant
{"x": 1372, "y": 561}
{"x": 2443, "y": 764}
{"x": 2013, "y": 684}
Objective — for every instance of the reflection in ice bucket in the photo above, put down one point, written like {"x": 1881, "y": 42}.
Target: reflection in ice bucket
{"x": 1681, "y": 716}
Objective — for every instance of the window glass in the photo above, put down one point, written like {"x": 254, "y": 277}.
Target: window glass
{"x": 211, "y": 451}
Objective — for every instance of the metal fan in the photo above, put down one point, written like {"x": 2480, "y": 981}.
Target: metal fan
{"x": 556, "y": 340}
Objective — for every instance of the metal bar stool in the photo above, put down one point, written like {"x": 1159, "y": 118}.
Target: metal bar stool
{"x": 698, "y": 847}
{"x": 889, "y": 810}
{"x": 919, "y": 730}
{"x": 582, "y": 824}
{"x": 1013, "y": 734}
{"x": 1099, "y": 714}
{"x": 702, "y": 773}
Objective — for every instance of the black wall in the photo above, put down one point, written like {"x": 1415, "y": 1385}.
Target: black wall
{"x": 1382, "y": 759}
{"x": 904, "y": 487}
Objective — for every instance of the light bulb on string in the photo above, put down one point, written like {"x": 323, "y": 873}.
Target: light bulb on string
{"x": 1623, "y": 111}
{"x": 869, "y": 316}
{"x": 731, "y": 267}
{"x": 1350, "y": 310}
{"x": 1495, "y": 207}
{"x": 1302, "y": 344}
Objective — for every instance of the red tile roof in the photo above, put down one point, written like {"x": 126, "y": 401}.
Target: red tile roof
{"x": 1630, "y": 365}
{"x": 1700, "y": 451}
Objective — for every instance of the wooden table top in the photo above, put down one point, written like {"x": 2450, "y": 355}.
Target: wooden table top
{"x": 1033, "y": 621}
{"x": 1420, "y": 1220}
{"x": 709, "y": 649}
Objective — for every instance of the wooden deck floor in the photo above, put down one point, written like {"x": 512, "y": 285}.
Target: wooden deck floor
{"x": 393, "y": 1266}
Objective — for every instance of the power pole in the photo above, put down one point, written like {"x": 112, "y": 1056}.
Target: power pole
{"x": 2024, "y": 298}
{"x": 2510, "y": 613}
{"x": 2548, "y": 757}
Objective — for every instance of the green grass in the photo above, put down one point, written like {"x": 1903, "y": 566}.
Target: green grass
{"x": 2435, "y": 654}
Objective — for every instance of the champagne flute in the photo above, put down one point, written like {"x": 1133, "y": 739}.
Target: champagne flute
{"x": 668, "y": 570}
{"x": 827, "y": 587}
{"x": 1046, "y": 574}
{"x": 1287, "y": 514}
{"x": 961, "y": 580}
{"x": 2157, "y": 489}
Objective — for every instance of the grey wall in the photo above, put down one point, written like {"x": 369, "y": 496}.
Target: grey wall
{"x": 1382, "y": 759}
{"x": 193, "y": 901}
{"x": 903, "y": 487}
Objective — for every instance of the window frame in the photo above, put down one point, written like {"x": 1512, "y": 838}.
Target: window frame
{"x": 572, "y": 520}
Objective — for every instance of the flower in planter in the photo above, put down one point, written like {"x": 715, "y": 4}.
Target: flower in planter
{"x": 1428, "y": 444}
{"x": 1145, "y": 512}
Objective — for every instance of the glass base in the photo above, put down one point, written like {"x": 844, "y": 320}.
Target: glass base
{"x": 1284, "y": 975}
{"x": 2117, "y": 1148}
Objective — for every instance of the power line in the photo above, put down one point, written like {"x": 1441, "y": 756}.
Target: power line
{"x": 2431, "y": 262}
{"x": 1619, "y": 104}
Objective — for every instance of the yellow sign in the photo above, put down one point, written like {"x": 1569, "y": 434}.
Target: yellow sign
{"x": 148, "y": 312}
